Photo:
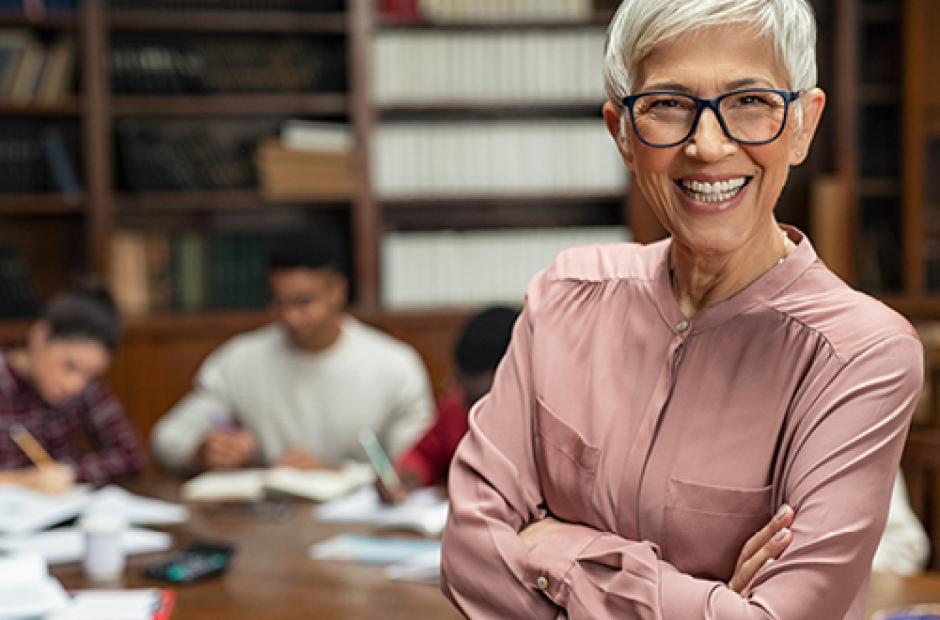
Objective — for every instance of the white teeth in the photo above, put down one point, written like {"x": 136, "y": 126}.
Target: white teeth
{"x": 718, "y": 191}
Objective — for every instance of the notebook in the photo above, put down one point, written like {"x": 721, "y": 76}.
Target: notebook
{"x": 425, "y": 511}
{"x": 136, "y": 508}
{"x": 254, "y": 484}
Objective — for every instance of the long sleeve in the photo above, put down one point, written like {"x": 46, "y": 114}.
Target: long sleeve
{"x": 411, "y": 407}
{"x": 429, "y": 459}
{"x": 837, "y": 462}
{"x": 177, "y": 436}
{"x": 114, "y": 451}
{"x": 904, "y": 546}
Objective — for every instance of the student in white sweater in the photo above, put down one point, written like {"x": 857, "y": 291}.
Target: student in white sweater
{"x": 298, "y": 391}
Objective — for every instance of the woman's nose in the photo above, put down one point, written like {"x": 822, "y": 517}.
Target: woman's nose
{"x": 709, "y": 142}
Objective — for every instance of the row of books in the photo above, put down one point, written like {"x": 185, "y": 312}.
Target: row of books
{"x": 218, "y": 65}
{"x": 155, "y": 271}
{"x": 37, "y": 158}
{"x": 32, "y": 71}
{"x": 488, "y": 10}
{"x": 17, "y": 297}
{"x": 234, "y": 5}
{"x": 421, "y": 66}
{"x": 151, "y": 160}
{"x": 310, "y": 160}
{"x": 36, "y": 7}
{"x": 478, "y": 267}
{"x": 496, "y": 157}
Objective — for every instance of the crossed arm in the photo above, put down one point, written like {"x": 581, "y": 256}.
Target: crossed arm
{"x": 504, "y": 557}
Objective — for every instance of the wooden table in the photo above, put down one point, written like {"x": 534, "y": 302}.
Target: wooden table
{"x": 891, "y": 591}
{"x": 271, "y": 577}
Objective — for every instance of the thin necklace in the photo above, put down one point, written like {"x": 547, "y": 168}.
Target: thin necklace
{"x": 787, "y": 247}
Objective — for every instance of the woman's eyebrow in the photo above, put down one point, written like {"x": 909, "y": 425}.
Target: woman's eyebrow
{"x": 748, "y": 81}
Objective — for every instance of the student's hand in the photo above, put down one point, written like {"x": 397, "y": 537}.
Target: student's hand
{"x": 409, "y": 482}
{"x": 536, "y": 532}
{"x": 53, "y": 478}
{"x": 228, "y": 449}
{"x": 299, "y": 459}
{"x": 763, "y": 547}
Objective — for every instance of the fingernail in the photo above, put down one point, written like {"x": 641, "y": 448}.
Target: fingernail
{"x": 784, "y": 509}
{"x": 779, "y": 536}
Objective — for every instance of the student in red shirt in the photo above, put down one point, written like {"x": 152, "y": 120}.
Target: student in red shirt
{"x": 480, "y": 346}
{"x": 52, "y": 387}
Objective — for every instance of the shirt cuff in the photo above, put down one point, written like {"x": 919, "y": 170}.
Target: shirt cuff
{"x": 551, "y": 560}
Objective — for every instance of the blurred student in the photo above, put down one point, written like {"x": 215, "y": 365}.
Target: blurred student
{"x": 52, "y": 387}
{"x": 297, "y": 392}
{"x": 904, "y": 546}
{"x": 480, "y": 346}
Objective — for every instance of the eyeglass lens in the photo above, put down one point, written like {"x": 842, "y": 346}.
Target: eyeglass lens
{"x": 750, "y": 116}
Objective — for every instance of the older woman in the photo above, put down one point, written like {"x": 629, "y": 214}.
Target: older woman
{"x": 660, "y": 404}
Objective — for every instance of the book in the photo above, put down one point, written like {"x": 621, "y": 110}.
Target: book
{"x": 424, "y": 511}
{"x": 255, "y": 484}
{"x": 23, "y": 511}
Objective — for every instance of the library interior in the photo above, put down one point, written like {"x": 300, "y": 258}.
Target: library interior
{"x": 182, "y": 157}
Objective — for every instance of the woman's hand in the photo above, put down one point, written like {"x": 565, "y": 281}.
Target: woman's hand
{"x": 764, "y": 546}
{"x": 538, "y": 531}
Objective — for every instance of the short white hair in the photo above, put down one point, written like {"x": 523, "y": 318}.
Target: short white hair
{"x": 641, "y": 25}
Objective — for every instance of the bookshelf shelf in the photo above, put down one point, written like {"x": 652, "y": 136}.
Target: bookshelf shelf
{"x": 231, "y": 105}
{"x": 227, "y": 21}
{"x": 52, "y": 20}
{"x": 492, "y": 109}
{"x": 40, "y": 204}
{"x": 224, "y": 200}
{"x": 882, "y": 11}
{"x": 503, "y": 211}
{"x": 600, "y": 18}
{"x": 67, "y": 107}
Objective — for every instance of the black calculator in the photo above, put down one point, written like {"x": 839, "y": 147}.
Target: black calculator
{"x": 200, "y": 560}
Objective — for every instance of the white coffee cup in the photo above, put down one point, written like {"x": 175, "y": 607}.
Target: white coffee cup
{"x": 103, "y": 559}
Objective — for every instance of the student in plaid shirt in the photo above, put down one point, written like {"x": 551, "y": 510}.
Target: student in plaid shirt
{"x": 52, "y": 386}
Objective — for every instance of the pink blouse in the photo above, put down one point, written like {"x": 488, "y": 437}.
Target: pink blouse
{"x": 666, "y": 443}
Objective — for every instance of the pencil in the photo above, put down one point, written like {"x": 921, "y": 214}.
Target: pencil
{"x": 28, "y": 444}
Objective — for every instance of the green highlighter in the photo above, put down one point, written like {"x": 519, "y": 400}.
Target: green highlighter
{"x": 379, "y": 459}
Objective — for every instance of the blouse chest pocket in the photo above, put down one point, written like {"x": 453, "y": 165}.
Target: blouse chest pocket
{"x": 567, "y": 466}
{"x": 705, "y": 526}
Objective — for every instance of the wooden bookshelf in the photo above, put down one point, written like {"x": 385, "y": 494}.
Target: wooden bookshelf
{"x": 219, "y": 21}
{"x": 220, "y": 200}
{"x": 600, "y": 18}
{"x": 493, "y": 109}
{"x": 288, "y": 104}
{"x": 41, "y": 204}
{"x": 66, "y": 108}
{"x": 50, "y": 20}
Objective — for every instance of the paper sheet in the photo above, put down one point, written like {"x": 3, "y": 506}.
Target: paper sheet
{"x": 67, "y": 544}
{"x": 425, "y": 510}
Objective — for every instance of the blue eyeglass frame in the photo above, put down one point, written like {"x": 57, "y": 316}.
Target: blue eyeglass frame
{"x": 788, "y": 96}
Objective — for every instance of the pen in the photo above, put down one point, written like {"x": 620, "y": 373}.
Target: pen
{"x": 28, "y": 444}
{"x": 380, "y": 462}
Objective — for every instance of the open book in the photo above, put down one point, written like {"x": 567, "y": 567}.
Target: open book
{"x": 253, "y": 484}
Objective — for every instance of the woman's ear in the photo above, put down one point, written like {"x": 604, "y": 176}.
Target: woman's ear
{"x": 813, "y": 103}
{"x": 618, "y": 131}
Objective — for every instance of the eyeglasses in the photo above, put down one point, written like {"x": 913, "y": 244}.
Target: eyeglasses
{"x": 752, "y": 116}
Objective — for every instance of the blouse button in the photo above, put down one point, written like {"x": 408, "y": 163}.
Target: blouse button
{"x": 542, "y": 582}
{"x": 682, "y": 327}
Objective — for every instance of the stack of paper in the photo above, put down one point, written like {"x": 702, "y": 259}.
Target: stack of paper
{"x": 253, "y": 484}
{"x": 372, "y": 549}
{"x": 425, "y": 511}
{"x": 26, "y": 589}
{"x": 67, "y": 544}
{"x": 136, "y": 509}
{"x": 23, "y": 511}
{"x": 143, "y": 604}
